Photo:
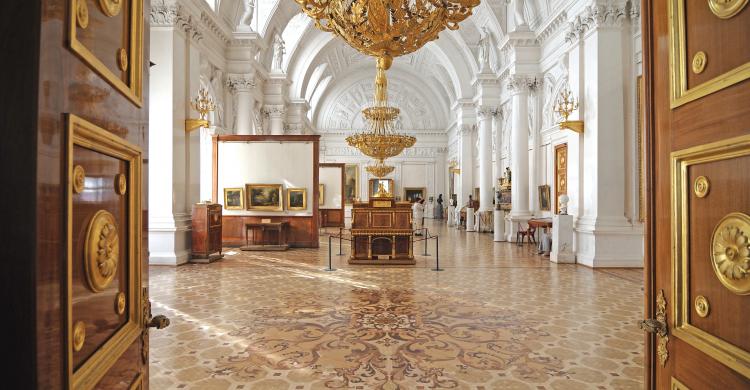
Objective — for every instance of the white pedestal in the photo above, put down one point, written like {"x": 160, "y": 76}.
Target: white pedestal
{"x": 451, "y": 215}
{"x": 562, "y": 239}
{"x": 470, "y": 224}
{"x": 499, "y": 222}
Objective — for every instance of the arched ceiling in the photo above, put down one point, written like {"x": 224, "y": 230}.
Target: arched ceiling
{"x": 337, "y": 80}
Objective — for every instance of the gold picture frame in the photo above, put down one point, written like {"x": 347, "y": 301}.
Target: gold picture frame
{"x": 296, "y": 198}
{"x": 268, "y": 197}
{"x": 544, "y": 197}
{"x": 410, "y": 193}
{"x": 234, "y": 198}
{"x": 351, "y": 183}
{"x": 129, "y": 59}
{"x": 321, "y": 194}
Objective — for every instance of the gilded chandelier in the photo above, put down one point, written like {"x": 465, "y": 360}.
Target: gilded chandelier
{"x": 565, "y": 106}
{"x": 380, "y": 140}
{"x": 380, "y": 170}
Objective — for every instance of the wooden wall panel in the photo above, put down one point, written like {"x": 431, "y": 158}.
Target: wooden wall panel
{"x": 332, "y": 217}
{"x": 303, "y": 231}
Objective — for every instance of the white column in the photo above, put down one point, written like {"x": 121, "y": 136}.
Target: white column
{"x": 241, "y": 87}
{"x": 519, "y": 87}
{"x": 466, "y": 164}
{"x": 276, "y": 115}
{"x": 169, "y": 215}
{"x": 605, "y": 238}
{"x": 497, "y": 129}
{"x": 485, "y": 115}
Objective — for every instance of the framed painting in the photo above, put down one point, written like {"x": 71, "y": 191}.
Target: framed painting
{"x": 411, "y": 194}
{"x": 351, "y": 183}
{"x": 296, "y": 198}
{"x": 544, "y": 197}
{"x": 264, "y": 197}
{"x": 374, "y": 186}
{"x": 321, "y": 194}
{"x": 234, "y": 198}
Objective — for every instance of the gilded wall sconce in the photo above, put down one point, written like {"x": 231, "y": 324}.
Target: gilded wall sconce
{"x": 565, "y": 106}
{"x": 203, "y": 104}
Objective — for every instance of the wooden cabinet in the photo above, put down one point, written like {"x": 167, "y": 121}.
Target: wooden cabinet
{"x": 382, "y": 232}
{"x": 206, "y": 232}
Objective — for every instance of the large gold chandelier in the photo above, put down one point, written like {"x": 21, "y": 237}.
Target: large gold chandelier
{"x": 380, "y": 140}
{"x": 380, "y": 170}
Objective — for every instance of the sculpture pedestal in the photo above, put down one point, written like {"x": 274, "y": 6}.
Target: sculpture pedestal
{"x": 470, "y": 224}
{"x": 562, "y": 239}
{"x": 499, "y": 222}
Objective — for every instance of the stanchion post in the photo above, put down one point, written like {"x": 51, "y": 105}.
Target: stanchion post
{"x": 424, "y": 238}
{"x": 330, "y": 267}
{"x": 341, "y": 249}
{"x": 437, "y": 255}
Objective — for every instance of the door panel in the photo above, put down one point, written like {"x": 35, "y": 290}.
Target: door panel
{"x": 698, "y": 159}
{"x": 561, "y": 173}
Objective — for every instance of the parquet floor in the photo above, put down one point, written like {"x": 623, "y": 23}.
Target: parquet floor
{"x": 498, "y": 317}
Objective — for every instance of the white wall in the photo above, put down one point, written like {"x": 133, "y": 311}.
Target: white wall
{"x": 330, "y": 177}
{"x": 288, "y": 163}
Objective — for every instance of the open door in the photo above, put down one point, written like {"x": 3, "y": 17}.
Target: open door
{"x": 79, "y": 157}
{"x": 697, "y": 70}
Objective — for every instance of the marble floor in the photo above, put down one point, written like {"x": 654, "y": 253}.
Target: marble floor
{"x": 498, "y": 317}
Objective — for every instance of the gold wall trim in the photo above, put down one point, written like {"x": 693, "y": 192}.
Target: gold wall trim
{"x": 678, "y": 64}
{"x": 730, "y": 355}
{"x": 133, "y": 87}
{"x": 677, "y": 385}
{"x": 85, "y": 134}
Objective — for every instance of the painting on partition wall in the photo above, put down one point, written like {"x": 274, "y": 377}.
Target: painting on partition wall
{"x": 296, "y": 199}
{"x": 321, "y": 194}
{"x": 234, "y": 199}
{"x": 264, "y": 197}
{"x": 544, "y": 195}
{"x": 411, "y": 195}
{"x": 351, "y": 183}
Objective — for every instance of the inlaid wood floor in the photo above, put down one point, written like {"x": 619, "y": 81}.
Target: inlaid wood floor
{"x": 498, "y": 317}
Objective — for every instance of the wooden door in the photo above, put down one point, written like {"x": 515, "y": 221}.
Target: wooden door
{"x": 80, "y": 103}
{"x": 561, "y": 173}
{"x": 697, "y": 65}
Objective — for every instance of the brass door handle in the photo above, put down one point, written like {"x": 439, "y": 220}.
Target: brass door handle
{"x": 654, "y": 326}
{"x": 159, "y": 322}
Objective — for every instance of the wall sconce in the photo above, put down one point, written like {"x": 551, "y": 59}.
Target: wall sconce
{"x": 565, "y": 106}
{"x": 203, "y": 104}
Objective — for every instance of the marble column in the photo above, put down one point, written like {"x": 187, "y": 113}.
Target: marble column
{"x": 485, "y": 115}
{"x": 520, "y": 86}
{"x": 276, "y": 115}
{"x": 241, "y": 86}
{"x": 497, "y": 131}
{"x": 466, "y": 164}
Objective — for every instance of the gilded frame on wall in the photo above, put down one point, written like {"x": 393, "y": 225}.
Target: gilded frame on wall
{"x": 87, "y": 135}
{"x": 321, "y": 194}
{"x": 129, "y": 58}
{"x": 544, "y": 197}
{"x": 351, "y": 183}
{"x": 256, "y": 192}
{"x": 411, "y": 192}
{"x": 296, "y": 198}
{"x": 232, "y": 204}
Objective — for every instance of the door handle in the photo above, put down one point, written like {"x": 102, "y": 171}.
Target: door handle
{"x": 159, "y": 322}
{"x": 652, "y": 325}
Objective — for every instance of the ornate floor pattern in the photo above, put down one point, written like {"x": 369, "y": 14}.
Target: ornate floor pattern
{"x": 498, "y": 317}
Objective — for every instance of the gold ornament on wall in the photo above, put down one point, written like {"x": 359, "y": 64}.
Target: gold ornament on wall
{"x": 701, "y": 306}
{"x": 699, "y": 62}
{"x": 121, "y": 184}
{"x": 701, "y": 187}
{"x": 82, "y": 14}
{"x": 122, "y": 59}
{"x": 725, "y": 9}
{"x": 79, "y": 335}
{"x": 111, "y": 8}
{"x": 203, "y": 104}
{"x": 120, "y": 303}
{"x": 79, "y": 179}
{"x": 565, "y": 106}
{"x": 101, "y": 251}
{"x": 730, "y": 252}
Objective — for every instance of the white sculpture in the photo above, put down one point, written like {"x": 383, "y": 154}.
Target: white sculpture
{"x": 563, "y": 202}
{"x": 278, "y": 53}
{"x": 217, "y": 84}
{"x": 484, "y": 48}
{"x": 247, "y": 16}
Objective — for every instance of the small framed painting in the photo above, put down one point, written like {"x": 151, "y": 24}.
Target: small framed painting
{"x": 544, "y": 195}
{"x": 234, "y": 199}
{"x": 296, "y": 199}
{"x": 264, "y": 197}
{"x": 411, "y": 194}
{"x": 321, "y": 194}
